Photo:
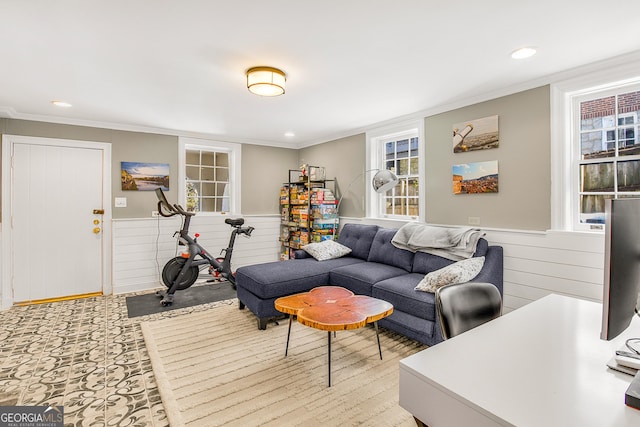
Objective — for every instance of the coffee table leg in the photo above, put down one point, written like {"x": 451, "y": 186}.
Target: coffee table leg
{"x": 375, "y": 325}
{"x": 329, "y": 355}
{"x": 286, "y": 350}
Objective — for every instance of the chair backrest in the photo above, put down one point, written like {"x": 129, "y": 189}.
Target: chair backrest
{"x": 464, "y": 306}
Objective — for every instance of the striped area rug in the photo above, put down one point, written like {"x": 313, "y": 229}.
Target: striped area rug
{"x": 215, "y": 367}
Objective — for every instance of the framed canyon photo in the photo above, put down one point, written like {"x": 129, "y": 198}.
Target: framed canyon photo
{"x": 475, "y": 178}
{"x": 479, "y": 134}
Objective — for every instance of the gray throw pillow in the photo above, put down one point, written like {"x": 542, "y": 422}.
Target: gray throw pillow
{"x": 327, "y": 249}
{"x": 458, "y": 272}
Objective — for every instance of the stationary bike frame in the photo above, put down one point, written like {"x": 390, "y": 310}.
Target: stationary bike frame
{"x": 188, "y": 268}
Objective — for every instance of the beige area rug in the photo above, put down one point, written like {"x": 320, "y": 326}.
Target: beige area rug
{"x": 215, "y": 367}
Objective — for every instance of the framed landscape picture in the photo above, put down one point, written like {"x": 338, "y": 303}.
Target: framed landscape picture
{"x": 475, "y": 178}
{"x": 479, "y": 134}
{"x": 138, "y": 176}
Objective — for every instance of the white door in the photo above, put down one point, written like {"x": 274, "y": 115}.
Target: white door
{"x": 56, "y": 236}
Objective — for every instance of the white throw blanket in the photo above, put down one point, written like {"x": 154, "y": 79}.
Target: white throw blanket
{"x": 451, "y": 243}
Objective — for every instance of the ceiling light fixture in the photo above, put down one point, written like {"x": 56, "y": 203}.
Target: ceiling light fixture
{"x": 266, "y": 81}
{"x": 61, "y": 104}
{"x": 523, "y": 52}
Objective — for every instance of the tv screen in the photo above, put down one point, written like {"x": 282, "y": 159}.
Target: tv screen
{"x": 621, "y": 265}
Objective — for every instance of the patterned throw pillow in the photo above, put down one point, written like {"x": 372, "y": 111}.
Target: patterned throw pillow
{"x": 458, "y": 272}
{"x": 327, "y": 249}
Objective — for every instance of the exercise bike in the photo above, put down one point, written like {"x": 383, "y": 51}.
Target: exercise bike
{"x": 182, "y": 271}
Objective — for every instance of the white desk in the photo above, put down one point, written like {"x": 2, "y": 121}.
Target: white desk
{"x": 541, "y": 365}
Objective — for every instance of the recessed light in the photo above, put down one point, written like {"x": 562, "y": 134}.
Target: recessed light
{"x": 289, "y": 134}
{"x": 523, "y": 52}
{"x": 61, "y": 104}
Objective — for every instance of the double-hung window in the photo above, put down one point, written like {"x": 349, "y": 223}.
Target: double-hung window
{"x": 607, "y": 145}
{"x": 398, "y": 150}
{"x": 210, "y": 176}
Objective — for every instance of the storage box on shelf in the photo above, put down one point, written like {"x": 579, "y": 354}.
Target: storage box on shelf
{"x": 307, "y": 209}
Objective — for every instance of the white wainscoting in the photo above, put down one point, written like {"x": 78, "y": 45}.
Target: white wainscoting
{"x": 141, "y": 247}
{"x": 540, "y": 263}
{"x": 535, "y": 263}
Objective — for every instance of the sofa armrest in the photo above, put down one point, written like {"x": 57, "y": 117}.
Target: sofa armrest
{"x": 493, "y": 268}
{"x": 300, "y": 254}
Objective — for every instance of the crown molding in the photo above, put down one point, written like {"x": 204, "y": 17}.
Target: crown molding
{"x": 11, "y": 113}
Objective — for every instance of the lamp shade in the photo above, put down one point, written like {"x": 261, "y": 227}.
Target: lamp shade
{"x": 266, "y": 81}
{"x": 384, "y": 180}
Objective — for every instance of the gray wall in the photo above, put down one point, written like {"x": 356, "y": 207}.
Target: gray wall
{"x": 344, "y": 159}
{"x": 125, "y": 146}
{"x": 523, "y": 200}
{"x": 524, "y": 197}
{"x": 264, "y": 170}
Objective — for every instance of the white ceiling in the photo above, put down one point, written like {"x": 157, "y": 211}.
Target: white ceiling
{"x": 178, "y": 66}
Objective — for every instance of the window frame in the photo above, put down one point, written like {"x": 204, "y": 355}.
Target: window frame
{"x": 614, "y": 160}
{"x": 607, "y": 75}
{"x": 233, "y": 150}
{"x": 376, "y": 160}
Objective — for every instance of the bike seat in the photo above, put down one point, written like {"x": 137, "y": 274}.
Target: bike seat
{"x": 234, "y": 222}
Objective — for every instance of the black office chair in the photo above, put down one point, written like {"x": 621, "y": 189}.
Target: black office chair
{"x": 464, "y": 306}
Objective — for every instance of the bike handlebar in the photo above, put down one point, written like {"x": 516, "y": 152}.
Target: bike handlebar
{"x": 246, "y": 230}
{"x": 176, "y": 209}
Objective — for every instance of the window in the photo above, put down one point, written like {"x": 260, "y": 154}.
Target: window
{"x": 398, "y": 150}
{"x": 207, "y": 180}
{"x": 210, "y": 173}
{"x": 401, "y": 157}
{"x": 606, "y": 129}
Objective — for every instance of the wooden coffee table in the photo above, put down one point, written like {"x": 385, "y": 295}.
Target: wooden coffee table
{"x": 331, "y": 309}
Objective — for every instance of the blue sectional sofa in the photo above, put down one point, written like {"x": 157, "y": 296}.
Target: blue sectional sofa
{"x": 375, "y": 267}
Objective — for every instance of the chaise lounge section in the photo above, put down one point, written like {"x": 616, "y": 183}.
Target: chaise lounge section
{"x": 375, "y": 267}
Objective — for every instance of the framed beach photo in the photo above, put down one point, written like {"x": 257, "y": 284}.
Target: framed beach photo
{"x": 478, "y": 134}
{"x": 136, "y": 176}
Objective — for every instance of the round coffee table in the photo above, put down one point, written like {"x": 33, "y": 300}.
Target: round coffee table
{"x": 331, "y": 309}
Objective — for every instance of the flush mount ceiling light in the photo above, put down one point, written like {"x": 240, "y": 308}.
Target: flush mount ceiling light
{"x": 523, "y": 52}
{"x": 61, "y": 104}
{"x": 266, "y": 81}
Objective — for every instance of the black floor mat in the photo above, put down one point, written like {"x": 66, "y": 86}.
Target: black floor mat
{"x": 141, "y": 305}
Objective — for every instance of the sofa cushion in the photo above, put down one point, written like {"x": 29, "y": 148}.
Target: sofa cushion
{"x": 459, "y": 272}
{"x": 358, "y": 237}
{"x": 384, "y": 252}
{"x": 280, "y": 278}
{"x": 327, "y": 249}
{"x": 400, "y": 292}
{"x": 359, "y": 278}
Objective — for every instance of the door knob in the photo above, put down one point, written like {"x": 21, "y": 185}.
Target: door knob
{"x": 96, "y": 230}
{"x": 96, "y": 221}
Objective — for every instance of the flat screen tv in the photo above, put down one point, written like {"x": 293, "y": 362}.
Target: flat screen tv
{"x": 621, "y": 265}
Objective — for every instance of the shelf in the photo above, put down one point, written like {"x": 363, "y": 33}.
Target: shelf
{"x": 310, "y": 207}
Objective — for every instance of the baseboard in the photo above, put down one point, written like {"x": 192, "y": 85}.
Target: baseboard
{"x": 135, "y": 287}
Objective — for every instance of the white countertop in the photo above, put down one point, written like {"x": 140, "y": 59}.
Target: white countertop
{"x": 541, "y": 365}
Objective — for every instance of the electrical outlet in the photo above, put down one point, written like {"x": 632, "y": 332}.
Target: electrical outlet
{"x": 474, "y": 220}
{"x": 155, "y": 213}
